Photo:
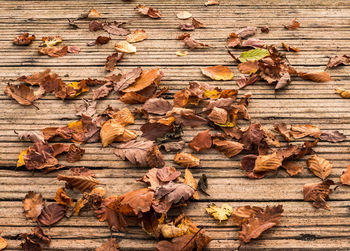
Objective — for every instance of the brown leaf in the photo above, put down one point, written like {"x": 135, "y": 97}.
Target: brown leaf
{"x": 218, "y": 116}
{"x": 252, "y": 137}
{"x": 202, "y": 141}
{"x": 247, "y": 32}
{"x": 292, "y": 167}
{"x": 194, "y": 44}
{"x": 93, "y": 13}
{"x": 54, "y": 51}
{"x": 28, "y": 244}
{"x": 152, "y": 131}
{"x": 173, "y": 146}
{"x": 212, "y": 2}
{"x": 197, "y": 24}
{"x": 137, "y": 36}
{"x": 319, "y": 166}
{"x": 283, "y": 81}
{"x": 158, "y": 106}
{"x": 73, "y": 49}
{"x": 218, "y": 72}
{"x": 148, "y": 11}
{"x": 134, "y": 151}
{"x": 186, "y": 27}
{"x": 332, "y": 136}
{"x": 189, "y": 180}
{"x": 124, "y": 117}
{"x": 110, "y": 130}
{"x": 242, "y": 214}
{"x": 265, "y": 29}
{"x": 52, "y": 214}
{"x": 40, "y": 156}
{"x": 23, "y": 94}
{"x": 112, "y": 61}
{"x": 34, "y": 136}
{"x": 269, "y": 162}
{"x": 3, "y": 243}
{"x": 102, "y": 40}
{"x": 229, "y": 148}
{"x": 186, "y": 160}
{"x": 82, "y": 183}
{"x": 243, "y": 81}
{"x": 23, "y": 39}
{"x": 301, "y": 131}
{"x": 116, "y": 29}
{"x": 338, "y": 60}
{"x": 233, "y": 40}
{"x": 75, "y": 153}
{"x": 124, "y": 81}
{"x": 33, "y": 204}
{"x": 257, "y": 224}
{"x": 318, "y": 193}
{"x": 135, "y": 202}
{"x": 248, "y": 67}
{"x": 101, "y": 92}
{"x": 146, "y": 79}
{"x": 293, "y": 26}
{"x": 110, "y": 245}
{"x": 154, "y": 157}
{"x": 167, "y": 174}
{"x": 95, "y": 25}
{"x": 283, "y": 130}
{"x": 345, "y": 177}
{"x": 289, "y": 48}
{"x": 253, "y": 42}
{"x": 62, "y": 198}
{"x": 315, "y": 76}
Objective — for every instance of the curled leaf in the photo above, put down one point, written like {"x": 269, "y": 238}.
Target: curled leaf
{"x": 23, "y": 39}
{"x": 110, "y": 130}
{"x": 301, "y": 131}
{"x": 137, "y": 36}
{"x": 82, "y": 183}
{"x": 345, "y": 177}
{"x": 315, "y": 76}
{"x": 33, "y": 204}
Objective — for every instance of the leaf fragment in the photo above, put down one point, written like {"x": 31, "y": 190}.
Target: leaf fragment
{"x": 338, "y": 60}
{"x": 148, "y": 11}
{"x": 345, "y": 177}
{"x": 293, "y": 26}
{"x": 112, "y": 61}
{"x": 183, "y": 14}
{"x": 332, "y": 136}
{"x": 110, "y": 245}
{"x": 342, "y": 92}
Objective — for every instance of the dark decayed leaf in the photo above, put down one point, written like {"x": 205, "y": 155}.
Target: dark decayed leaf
{"x": 203, "y": 184}
{"x": 173, "y": 146}
{"x": 252, "y": 137}
{"x": 318, "y": 193}
{"x": 248, "y": 165}
{"x": 134, "y": 151}
{"x": 102, "y": 40}
{"x": 265, "y": 29}
{"x": 52, "y": 214}
{"x": 152, "y": 131}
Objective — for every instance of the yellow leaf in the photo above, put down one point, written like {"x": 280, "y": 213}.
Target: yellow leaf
{"x": 213, "y": 94}
{"x": 220, "y": 213}
{"x": 181, "y": 53}
{"x": 20, "y": 161}
{"x": 124, "y": 117}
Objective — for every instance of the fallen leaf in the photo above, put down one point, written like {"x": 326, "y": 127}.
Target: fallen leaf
{"x": 153, "y": 131}
{"x": 229, "y": 148}
{"x": 110, "y": 245}
{"x": 319, "y": 166}
{"x": 186, "y": 160}
{"x": 243, "y": 81}
{"x": 116, "y": 29}
{"x": 50, "y": 41}
{"x": 40, "y": 156}
{"x": 137, "y": 36}
{"x": 62, "y": 198}
{"x": 194, "y": 44}
{"x": 248, "y": 67}
{"x": 202, "y": 141}
{"x": 283, "y": 130}
{"x": 183, "y": 15}
{"x": 265, "y": 29}
{"x": 23, "y": 94}
{"x": 219, "y": 213}
{"x": 124, "y": 117}
{"x": 203, "y": 184}
{"x": 318, "y": 193}
{"x": 95, "y": 25}
{"x": 157, "y": 106}
{"x": 253, "y": 42}
{"x": 342, "y": 92}
{"x": 332, "y": 136}
{"x": 173, "y": 146}
{"x": 315, "y": 76}
{"x": 212, "y": 2}
{"x": 301, "y": 131}
{"x": 293, "y": 26}
{"x": 82, "y": 183}
{"x": 233, "y": 40}
{"x": 181, "y": 53}
{"x": 345, "y": 177}
{"x": 112, "y": 61}
{"x": 23, "y": 39}
{"x": 247, "y": 32}
{"x": 269, "y": 162}
{"x": 34, "y": 136}
{"x": 252, "y": 137}
{"x": 252, "y": 55}
{"x": 292, "y": 167}
{"x": 74, "y": 154}
{"x": 33, "y": 204}
{"x": 110, "y": 130}
{"x": 218, "y": 116}
{"x": 189, "y": 180}
{"x": 127, "y": 79}
{"x": 257, "y": 224}
{"x": 93, "y": 13}
{"x": 54, "y": 51}
{"x": 100, "y": 40}
{"x": 154, "y": 157}
{"x": 248, "y": 164}
{"x": 146, "y": 79}
{"x": 3, "y": 243}
{"x": 338, "y": 60}
{"x": 218, "y": 72}
{"x": 135, "y": 202}
{"x": 52, "y": 214}
{"x": 197, "y": 24}
{"x": 148, "y": 11}
{"x": 283, "y": 81}
{"x": 289, "y": 48}
{"x": 134, "y": 151}
{"x": 241, "y": 214}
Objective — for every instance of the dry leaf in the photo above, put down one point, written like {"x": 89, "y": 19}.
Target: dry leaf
{"x": 283, "y": 81}
{"x": 243, "y": 81}
{"x": 283, "y": 130}
{"x": 194, "y": 44}
{"x": 257, "y": 224}
{"x": 248, "y": 67}
{"x": 186, "y": 160}
{"x": 124, "y": 81}
{"x": 252, "y": 137}
{"x": 82, "y": 183}
{"x": 315, "y": 76}
{"x": 110, "y": 245}
{"x": 154, "y": 157}
{"x": 148, "y": 11}
{"x": 189, "y": 180}
{"x": 289, "y": 48}
{"x": 116, "y": 29}
{"x": 319, "y": 166}
{"x": 173, "y": 146}
{"x": 301, "y": 131}
{"x": 137, "y": 36}
{"x": 229, "y": 148}
{"x": 62, "y": 198}
{"x": 219, "y": 213}
{"x": 202, "y": 141}
{"x": 112, "y": 61}
{"x": 146, "y": 79}
{"x": 95, "y": 25}
{"x": 50, "y": 41}
{"x": 125, "y": 47}
{"x": 269, "y": 162}
{"x": 246, "y": 32}
{"x": 3, "y": 243}
{"x": 158, "y": 106}
{"x": 212, "y": 2}
{"x": 242, "y": 214}
{"x": 134, "y": 151}
{"x": 33, "y": 204}
{"x": 153, "y": 131}
{"x": 23, "y": 94}
{"x": 34, "y": 136}
{"x": 181, "y": 53}
{"x": 110, "y": 130}
{"x": 233, "y": 40}
{"x": 292, "y": 167}
{"x": 293, "y": 26}
{"x": 345, "y": 177}
{"x": 23, "y": 39}
{"x": 197, "y": 24}
{"x": 183, "y": 15}
{"x": 218, "y": 116}
{"x": 52, "y": 214}
{"x": 265, "y": 29}
{"x": 93, "y": 13}
{"x": 54, "y": 51}
{"x": 124, "y": 117}
{"x": 135, "y": 202}
{"x": 74, "y": 153}
{"x": 218, "y": 72}
{"x": 338, "y": 60}
{"x": 342, "y": 92}
{"x": 318, "y": 193}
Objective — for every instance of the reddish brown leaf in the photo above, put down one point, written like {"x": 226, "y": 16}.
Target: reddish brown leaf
{"x": 283, "y": 130}
{"x": 152, "y": 131}
{"x": 62, "y": 198}
{"x": 345, "y": 177}
{"x": 338, "y": 60}
{"x": 197, "y": 24}
{"x": 23, "y": 94}
{"x": 95, "y": 25}
{"x": 318, "y": 193}
{"x": 253, "y": 42}
{"x": 102, "y": 40}
{"x": 52, "y": 214}
{"x": 82, "y": 183}
{"x": 218, "y": 116}
{"x": 269, "y": 162}
{"x": 135, "y": 152}
{"x": 229, "y": 148}
{"x": 233, "y": 40}
{"x": 167, "y": 174}
{"x": 247, "y": 32}
{"x": 202, "y": 141}
{"x": 157, "y": 106}
{"x": 292, "y": 167}
{"x": 194, "y": 44}
{"x": 148, "y": 11}
{"x": 173, "y": 146}
{"x": 293, "y": 26}
{"x": 289, "y": 48}
{"x": 242, "y": 214}
{"x": 74, "y": 153}
{"x": 116, "y": 29}
{"x": 23, "y": 39}
{"x": 301, "y": 131}
{"x": 218, "y": 72}
{"x": 40, "y": 156}
{"x": 146, "y": 79}
{"x": 135, "y": 202}
{"x": 54, "y": 51}
{"x": 315, "y": 76}
{"x": 265, "y": 29}
{"x": 243, "y": 81}
{"x": 154, "y": 158}
{"x": 186, "y": 160}
{"x": 332, "y": 136}
{"x": 248, "y": 67}
{"x": 248, "y": 164}
{"x": 112, "y": 61}
{"x": 252, "y": 137}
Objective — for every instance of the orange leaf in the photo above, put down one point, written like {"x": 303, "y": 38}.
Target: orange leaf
{"x": 319, "y": 166}
{"x": 218, "y": 72}
{"x": 315, "y": 76}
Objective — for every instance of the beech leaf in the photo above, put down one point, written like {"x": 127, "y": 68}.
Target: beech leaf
{"x": 82, "y": 183}
{"x": 186, "y": 160}
{"x": 229, "y": 148}
{"x": 33, "y": 204}
{"x": 52, "y": 214}
{"x": 345, "y": 177}
{"x": 134, "y": 151}
{"x": 23, "y": 94}
{"x": 202, "y": 141}
{"x": 319, "y": 166}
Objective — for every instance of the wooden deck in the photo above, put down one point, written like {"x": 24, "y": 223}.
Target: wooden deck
{"x": 324, "y": 32}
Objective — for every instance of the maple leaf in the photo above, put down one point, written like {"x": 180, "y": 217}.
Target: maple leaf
{"x": 186, "y": 160}
{"x": 116, "y": 29}
{"x": 110, "y": 245}
{"x": 315, "y": 76}
{"x": 219, "y": 213}
{"x": 52, "y": 214}
{"x": 33, "y": 204}
{"x": 338, "y": 60}
{"x": 112, "y": 61}
{"x": 23, "y": 39}
{"x": 319, "y": 166}
{"x": 257, "y": 224}
{"x": 148, "y": 11}
{"x": 218, "y": 72}
{"x": 202, "y": 141}
{"x": 301, "y": 131}
{"x": 23, "y": 94}
{"x": 293, "y": 26}
{"x": 345, "y": 177}
{"x": 82, "y": 183}
{"x": 318, "y": 193}
{"x": 134, "y": 151}
{"x": 137, "y": 36}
